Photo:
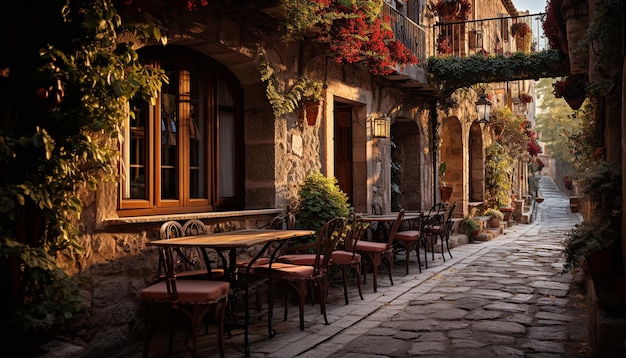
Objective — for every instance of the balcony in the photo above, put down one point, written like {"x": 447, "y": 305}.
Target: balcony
{"x": 503, "y": 35}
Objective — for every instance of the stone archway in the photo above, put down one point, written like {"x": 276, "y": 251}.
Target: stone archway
{"x": 452, "y": 154}
{"x": 476, "y": 189}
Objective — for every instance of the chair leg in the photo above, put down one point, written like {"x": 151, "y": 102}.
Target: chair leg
{"x": 448, "y": 244}
{"x": 389, "y": 257}
{"x": 323, "y": 286}
{"x": 375, "y": 259}
{"x": 441, "y": 238}
{"x": 302, "y": 291}
{"x": 416, "y": 247}
{"x": 357, "y": 268}
{"x": 344, "y": 278}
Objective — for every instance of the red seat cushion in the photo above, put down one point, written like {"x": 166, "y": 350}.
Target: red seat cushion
{"x": 340, "y": 257}
{"x": 287, "y": 271}
{"x": 299, "y": 259}
{"x": 188, "y": 291}
{"x": 412, "y": 235}
{"x": 370, "y": 246}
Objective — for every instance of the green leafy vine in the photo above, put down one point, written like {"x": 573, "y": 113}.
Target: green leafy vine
{"x": 283, "y": 103}
{"x": 453, "y": 72}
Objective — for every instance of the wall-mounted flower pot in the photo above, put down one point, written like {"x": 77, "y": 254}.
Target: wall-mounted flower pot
{"x": 312, "y": 109}
{"x": 445, "y": 193}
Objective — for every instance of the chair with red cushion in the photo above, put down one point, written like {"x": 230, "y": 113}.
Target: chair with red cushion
{"x": 411, "y": 240}
{"x": 345, "y": 256}
{"x": 302, "y": 271}
{"x": 376, "y": 252}
{"x": 194, "y": 298}
{"x": 439, "y": 226}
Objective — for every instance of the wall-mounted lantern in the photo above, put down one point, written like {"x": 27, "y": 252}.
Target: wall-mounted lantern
{"x": 381, "y": 127}
{"x": 483, "y": 107}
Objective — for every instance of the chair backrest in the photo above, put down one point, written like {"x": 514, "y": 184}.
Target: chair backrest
{"x": 451, "y": 211}
{"x": 353, "y": 232}
{"x": 327, "y": 239}
{"x": 194, "y": 227}
{"x": 394, "y": 227}
{"x": 170, "y": 230}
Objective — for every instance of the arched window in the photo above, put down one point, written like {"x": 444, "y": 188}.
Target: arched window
{"x": 185, "y": 153}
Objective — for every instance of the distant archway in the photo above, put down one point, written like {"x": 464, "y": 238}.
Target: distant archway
{"x": 452, "y": 154}
{"x": 476, "y": 164}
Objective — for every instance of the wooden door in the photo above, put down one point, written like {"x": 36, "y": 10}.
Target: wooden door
{"x": 343, "y": 148}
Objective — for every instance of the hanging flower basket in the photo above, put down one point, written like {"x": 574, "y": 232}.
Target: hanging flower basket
{"x": 574, "y": 102}
{"x": 312, "y": 110}
{"x": 453, "y": 9}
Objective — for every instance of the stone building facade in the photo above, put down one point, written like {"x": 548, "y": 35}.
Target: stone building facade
{"x": 277, "y": 153}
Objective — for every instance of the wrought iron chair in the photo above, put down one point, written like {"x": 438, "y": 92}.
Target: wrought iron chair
{"x": 411, "y": 240}
{"x": 302, "y": 271}
{"x": 376, "y": 252}
{"x": 194, "y": 298}
{"x": 345, "y": 255}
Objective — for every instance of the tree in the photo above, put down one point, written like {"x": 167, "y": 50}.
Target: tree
{"x": 65, "y": 89}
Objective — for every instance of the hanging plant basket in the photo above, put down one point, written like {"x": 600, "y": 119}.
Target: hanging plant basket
{"x": 312, "y": 109}
{"x": 450, "y": 10}
{"x": 574, "y": 102}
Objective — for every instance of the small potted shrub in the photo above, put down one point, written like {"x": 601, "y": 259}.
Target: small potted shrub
{"x": 469, "y": 226}
{"x": 495, "y": 217}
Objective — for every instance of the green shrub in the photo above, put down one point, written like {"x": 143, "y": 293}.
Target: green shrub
{"x": 494, "y": 213}
{"x": 319, "y": 200}
{"x": 587, "y": 238}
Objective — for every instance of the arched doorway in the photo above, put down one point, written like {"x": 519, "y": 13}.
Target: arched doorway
{"x": 406, "y": 170}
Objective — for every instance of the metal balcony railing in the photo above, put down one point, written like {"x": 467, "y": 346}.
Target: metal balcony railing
{"x": 408, "y": 32}
{"x": 503, "y": 35}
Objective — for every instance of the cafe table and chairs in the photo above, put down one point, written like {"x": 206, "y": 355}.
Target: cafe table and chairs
{"x": 241, "y": 280}
{"x": 385, "y": 221}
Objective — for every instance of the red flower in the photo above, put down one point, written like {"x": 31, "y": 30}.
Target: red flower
{"x": 533, "y": 148}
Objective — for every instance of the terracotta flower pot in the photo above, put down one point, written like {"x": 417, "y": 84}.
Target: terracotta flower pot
{"x": 494, "y": 222}
{"x": 445, "y": 193}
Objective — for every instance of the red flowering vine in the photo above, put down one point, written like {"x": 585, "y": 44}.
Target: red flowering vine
{"x": 355, "y": 37}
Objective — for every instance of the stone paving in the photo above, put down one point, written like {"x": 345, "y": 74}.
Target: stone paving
{"x": 506, "y": 297}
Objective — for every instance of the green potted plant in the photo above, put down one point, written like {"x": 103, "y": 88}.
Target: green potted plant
{"x": 319, "y": 200}
{"x": 495, "y": 217}
{"x": 445, "y": 191}
{"x": 469, "y": 226}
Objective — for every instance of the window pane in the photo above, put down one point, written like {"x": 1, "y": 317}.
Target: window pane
{"x": 135, "y": 152}
{"x": 197, "y": 138}
{"x": 226, "y": 154}
{"x": 169, "y": 138}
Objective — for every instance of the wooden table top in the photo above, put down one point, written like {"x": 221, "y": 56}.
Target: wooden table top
{"x": 233, "y": 239}
{"x": 387, "y": 217}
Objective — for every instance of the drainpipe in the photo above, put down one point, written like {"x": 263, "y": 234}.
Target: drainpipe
{"x": 434, "y": 125}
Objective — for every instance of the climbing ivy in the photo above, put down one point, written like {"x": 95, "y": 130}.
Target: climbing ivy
{"x": 451, "y": 72}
